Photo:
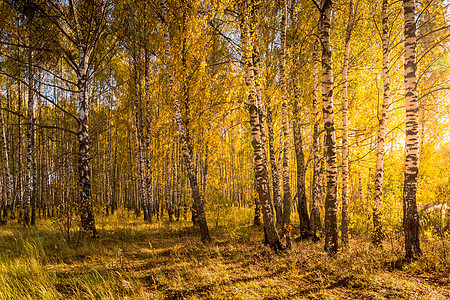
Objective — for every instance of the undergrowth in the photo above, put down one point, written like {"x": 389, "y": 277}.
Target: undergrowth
{"x": 166, "y": 260}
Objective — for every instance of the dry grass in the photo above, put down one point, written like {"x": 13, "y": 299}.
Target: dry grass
{"x": 165, "y": 260}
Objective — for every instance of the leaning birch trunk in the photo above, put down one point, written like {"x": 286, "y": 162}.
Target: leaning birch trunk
{"x": 29, "y": 145}
{"x": 259, "y": 155}
{"x": 331, "y": 229}
{"x": 255, "y": 62}
{"x": 199, "y": 202}
{"x": 285, "y": 128}
{"x": 316, "y": 223}
{"x": 274, "y": 168}
{"x": 344, "y": 225}
{"x": 410, "y": 215}
{"x": 377, "y": 237}
{"x": 8, "y": 179}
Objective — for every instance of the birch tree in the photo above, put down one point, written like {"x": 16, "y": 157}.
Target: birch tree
{"x": 410, "y": 215}
{"x": 199, "y": 202}
{"x": 331, "y": 229}
{"x": 344, "y": 225}
{"x": 259, "y": 154}
{"x": 316, "y": 223}
{"x": 377, "y": 237}
{"x": 302, "y": 205}
{"x": 7, "y": 199}
{"x": 285, "y": 125}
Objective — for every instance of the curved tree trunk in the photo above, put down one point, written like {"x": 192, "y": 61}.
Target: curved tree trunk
{"x": 331, "y": 229}
{"x": 411, "y": 217}
{"x": 255, "y": 62}
{"x": 259, "y": 154}
{"x": 199, "y": 202}
{"x": 377, "y": 237}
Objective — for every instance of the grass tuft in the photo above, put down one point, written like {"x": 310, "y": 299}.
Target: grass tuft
{"x": 166, "y": 260}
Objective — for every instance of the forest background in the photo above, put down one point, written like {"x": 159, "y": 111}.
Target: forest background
{"x": 285, "y": 115}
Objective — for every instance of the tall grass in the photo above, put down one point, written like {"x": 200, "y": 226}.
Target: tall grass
{"x": 166, "y": 260}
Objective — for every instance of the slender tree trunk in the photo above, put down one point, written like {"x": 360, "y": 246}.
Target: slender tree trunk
{"x": 148, "y": 138}
{"x": 205, "y": 171}
{"x": 259, "y": 154}
{"x": 29, "y": 181}
{"x": 35, "y": 186}
{"x": 116, "y": 184}
{"x": 8, "y": 179}
{"x": 344, "y": 225}
{"x": 175, "y": 179}
{"x": 274, "y": 168}
{"x": 302, "y": 206}
{"x": 285, "y": 127}
{"x": 411, "y": 217}
{"x": 316, "y": 222}
{"x": 199, "y": 202}
{"x": 143, "y": 188}
{"x": 19, "y": 196}
{"x": 377, "y": 237}
{"x": 167, "y": 191}
{"x": 331, "y": 229}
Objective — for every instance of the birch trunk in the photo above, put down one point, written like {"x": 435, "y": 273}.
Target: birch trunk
{"x": 274, "y": 168}
{"x": 205, "y": 170}
{"x": 285, "y": 127}
{"x": 199, "y": 202}
{"x": 378, "y": 235}
{"x": 257, "y": 217}
{"x": 85, "y": 45}
{"x": 29, "y": 182}
{"x": 18, "y": 201}
{"x": 175, "y": 179}
{"x": 344, "y": 225}
{"x": 254, "y": 61}
{"x": 8, "y": 179}
{"x": 316, "y": 223}
{"x": 331, "y": 229}
{"x": 148, "y": 138}
{"x": 259, "y": 154}
{"x": 84, "y": 168}
{"x": 302, "y": 206}
{"x": 411, "y": 217}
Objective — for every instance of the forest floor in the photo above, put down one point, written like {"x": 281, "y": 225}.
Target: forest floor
{"x": 166, "y": 260}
